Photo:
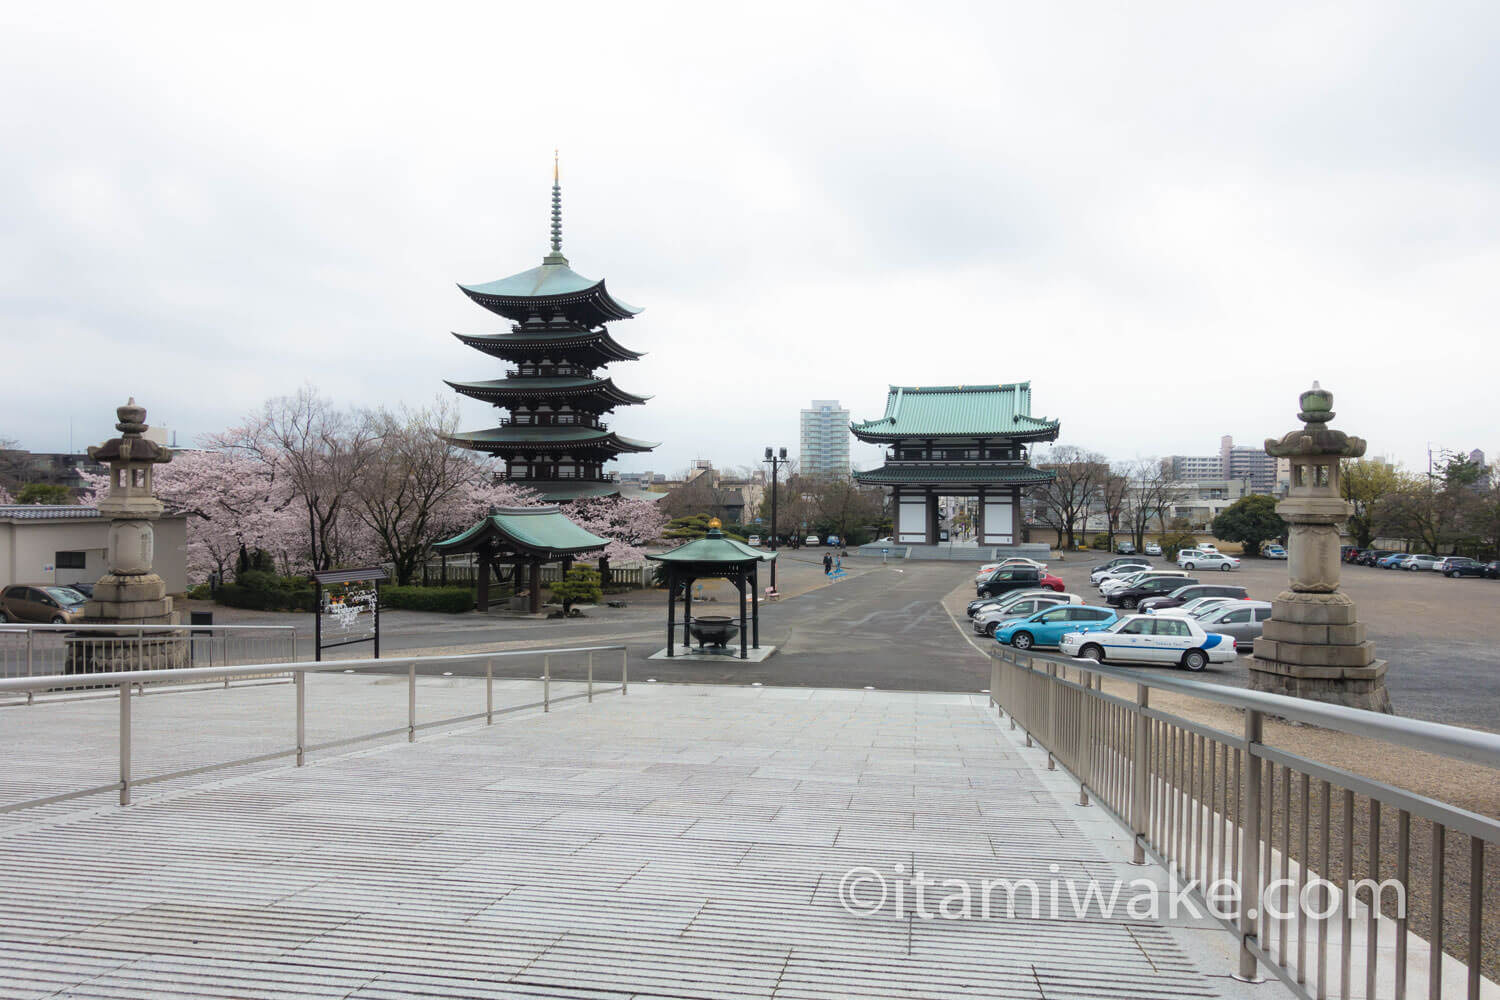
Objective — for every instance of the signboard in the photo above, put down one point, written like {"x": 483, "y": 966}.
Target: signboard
{"x": 348, "y": 608}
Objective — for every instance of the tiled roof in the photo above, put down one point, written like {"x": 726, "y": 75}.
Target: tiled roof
{"x": 972, "y": 474}
{"x": 947, "y": 410}
{"x": 45, "y": 512}
{"x": 535, "y": 529}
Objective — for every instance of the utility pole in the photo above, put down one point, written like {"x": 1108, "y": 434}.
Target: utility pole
{"x": 777, "y": 457}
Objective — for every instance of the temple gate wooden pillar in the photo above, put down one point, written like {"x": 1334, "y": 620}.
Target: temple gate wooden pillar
{"x": 536, "y": 586}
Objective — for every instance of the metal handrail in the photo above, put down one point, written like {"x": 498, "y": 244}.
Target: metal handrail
{"x": 1473, "y": 745}
{"x": 126, "y": 680}
{"x": 1214, "y": 804}
{"x": 82, "y": 627}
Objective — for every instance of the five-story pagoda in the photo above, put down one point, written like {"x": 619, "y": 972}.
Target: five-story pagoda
{"x": 554, "y": 439}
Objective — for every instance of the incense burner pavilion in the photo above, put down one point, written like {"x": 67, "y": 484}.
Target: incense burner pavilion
{"x": 553, "y": 439}
{"x": 967, "y": 441}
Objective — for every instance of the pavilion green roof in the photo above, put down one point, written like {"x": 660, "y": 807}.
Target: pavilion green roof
{"x": 523, "y": 342}
{"x": 957, "y": 411}
{"x": 713, "y": 549}
{"x": 922, "y": 472}
{"x": 536, "y": 530}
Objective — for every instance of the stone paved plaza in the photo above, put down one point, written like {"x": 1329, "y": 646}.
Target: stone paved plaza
{"x": 681, "y": 841}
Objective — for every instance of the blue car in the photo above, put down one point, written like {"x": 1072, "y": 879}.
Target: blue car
{"x": 1392, "y": 561}
{"x": 1047, "y": 627}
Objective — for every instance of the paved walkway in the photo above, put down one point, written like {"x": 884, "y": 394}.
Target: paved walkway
{"x": 678, "y": 842}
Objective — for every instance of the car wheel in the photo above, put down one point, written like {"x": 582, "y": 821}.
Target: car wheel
{"x": 1187, "y": 565}
{"x": 1021, "y": 640}
{"x": 1092, "y": 652}
{"x": 1130, "y": 603}
{"x": 1452, "y": 574}
{"x": 58, "y": 620}
{"x": 1195, "y": 659}
{"x": 1224, "y": 568}
{"x": 989, "y": 629}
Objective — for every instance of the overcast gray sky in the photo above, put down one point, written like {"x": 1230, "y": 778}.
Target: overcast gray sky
{"x": 1169, "y": 218}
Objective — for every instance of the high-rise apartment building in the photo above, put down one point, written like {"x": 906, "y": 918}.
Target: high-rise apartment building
{"x": 825, "y": 439}
{"x": 1232, "y": 462}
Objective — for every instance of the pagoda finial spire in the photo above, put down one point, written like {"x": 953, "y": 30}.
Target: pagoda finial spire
{"x": 556, "y": 254}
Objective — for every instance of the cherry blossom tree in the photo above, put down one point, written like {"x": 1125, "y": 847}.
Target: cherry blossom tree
{"x": 629, "y": 524}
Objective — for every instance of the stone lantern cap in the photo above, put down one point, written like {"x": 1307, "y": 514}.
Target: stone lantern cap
{"x": 1315, "y": 438}
{"x": 131, "y": 447}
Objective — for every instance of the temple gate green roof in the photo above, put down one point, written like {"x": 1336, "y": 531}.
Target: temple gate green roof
{"x": 990, "y": 411}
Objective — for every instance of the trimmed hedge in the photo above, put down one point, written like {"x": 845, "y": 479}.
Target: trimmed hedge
{"x": 261, "y": 591}
{"x": 450, "y": 600}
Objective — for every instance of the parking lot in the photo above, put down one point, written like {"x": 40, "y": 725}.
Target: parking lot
{"x": 1435, "y": 632}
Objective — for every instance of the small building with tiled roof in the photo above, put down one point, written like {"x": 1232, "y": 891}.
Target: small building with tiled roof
{"x": 956, "y": 441}
{"x": 63, "y": 544}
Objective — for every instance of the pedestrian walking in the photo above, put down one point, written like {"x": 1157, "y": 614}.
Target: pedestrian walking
{"x": 827, "y": 563}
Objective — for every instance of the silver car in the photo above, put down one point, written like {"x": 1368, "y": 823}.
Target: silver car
{"x": 987, "y": 621}
{"x": 1241, "y": 619}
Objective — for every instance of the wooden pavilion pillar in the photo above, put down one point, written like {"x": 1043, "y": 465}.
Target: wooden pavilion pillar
{"x": 755, "y": 603}
{"x": 932, "y": 518}
{"x": 536, "y": 586}
{"x": 687, "y": 614}
{"x": 979, "y": 518}
{"x": 744, "y": 625}
{"x": 671, "y": 609}
{"x": 484, "y": 583}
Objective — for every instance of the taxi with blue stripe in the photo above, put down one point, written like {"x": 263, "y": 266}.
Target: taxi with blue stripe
{"x": 1152, "y": 639}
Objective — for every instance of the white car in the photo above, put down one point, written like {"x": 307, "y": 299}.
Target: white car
{"x": 1152, "y": 639}
{"x": 987, "y": 621}
{"x": 1118, "y": 573}
{"x": 989, "y": 568}
{"x": 1207, "y": 560}
{"x": 1206, "y": 547}
{"x": 1191, "y": 608}
{"x": 1116, "y": 584}
{"x": 753, "y": 540}
{"x": 1117, "y": 569}
{"x": 811, "y": 540}
{"x": 982, "y": 604}
{"x": 1153, "y": 549}
{"x": 1417, "y": 562}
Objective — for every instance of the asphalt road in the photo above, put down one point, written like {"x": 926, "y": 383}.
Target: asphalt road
{"x": 886, "y": 627}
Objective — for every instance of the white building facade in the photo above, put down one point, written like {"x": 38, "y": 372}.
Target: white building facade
{"x": 64, "y": 545}
{"x": 825, "y": 440}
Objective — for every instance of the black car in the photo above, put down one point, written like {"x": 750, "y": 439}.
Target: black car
{"x": 1177, "y": 598}
{"x": 1156, "y": 587}
{"x": 1492, "y": 569}
{"x": 1009, "y": 578}
{"x": 1463, "y": 566}
{"x": 1369, "y": 557}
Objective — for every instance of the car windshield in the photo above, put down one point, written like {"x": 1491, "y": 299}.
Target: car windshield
{"x": 65, "y": 595}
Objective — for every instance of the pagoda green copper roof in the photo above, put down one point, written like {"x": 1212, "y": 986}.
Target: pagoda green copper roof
{"x": 547, "y": 385}
{"x": 957, "y": 410}
{"x": 563, "y": 490}
{"x": 547, "y": 282}
{"x": 966, "y": 474}
{"x": 536, "y": 529}
{"x": 545, "y": 434}
{"x": 713, "y": 549}
{"x": 503, "y": 344}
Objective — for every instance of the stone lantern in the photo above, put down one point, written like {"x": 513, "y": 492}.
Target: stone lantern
{"x": 1313, "y": 646}
{"x": 130, "y": 592}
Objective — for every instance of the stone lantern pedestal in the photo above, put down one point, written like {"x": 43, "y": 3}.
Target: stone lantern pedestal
{"x": 130, "y": 593}
{"x": 1314, "y": 646}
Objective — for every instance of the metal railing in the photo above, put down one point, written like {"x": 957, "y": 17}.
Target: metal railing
{"x": 28, "y": 650}
{"x": 137, "y": 680}
{"x": 1219, "y": 805}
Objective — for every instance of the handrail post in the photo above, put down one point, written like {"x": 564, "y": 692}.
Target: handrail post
{"x": 29, "y": 672}
{"x": 411, "y": 702}
{"x": 1249, "y": 889}
{"x": 624, "y": 671}
{"x": 489, "y": 692}
{"x": 124, "y": 744}
{"x": 546, "y": 683}
{"x": 301, "y": 681}
{"x": 1051, "y": 714}
{"x": 1085, "y": 740}
{"x": 1139, "y": 772}
{"x": 591, "y": 677}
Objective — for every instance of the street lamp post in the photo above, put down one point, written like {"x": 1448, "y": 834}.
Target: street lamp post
{"x": 777, "y": 457}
